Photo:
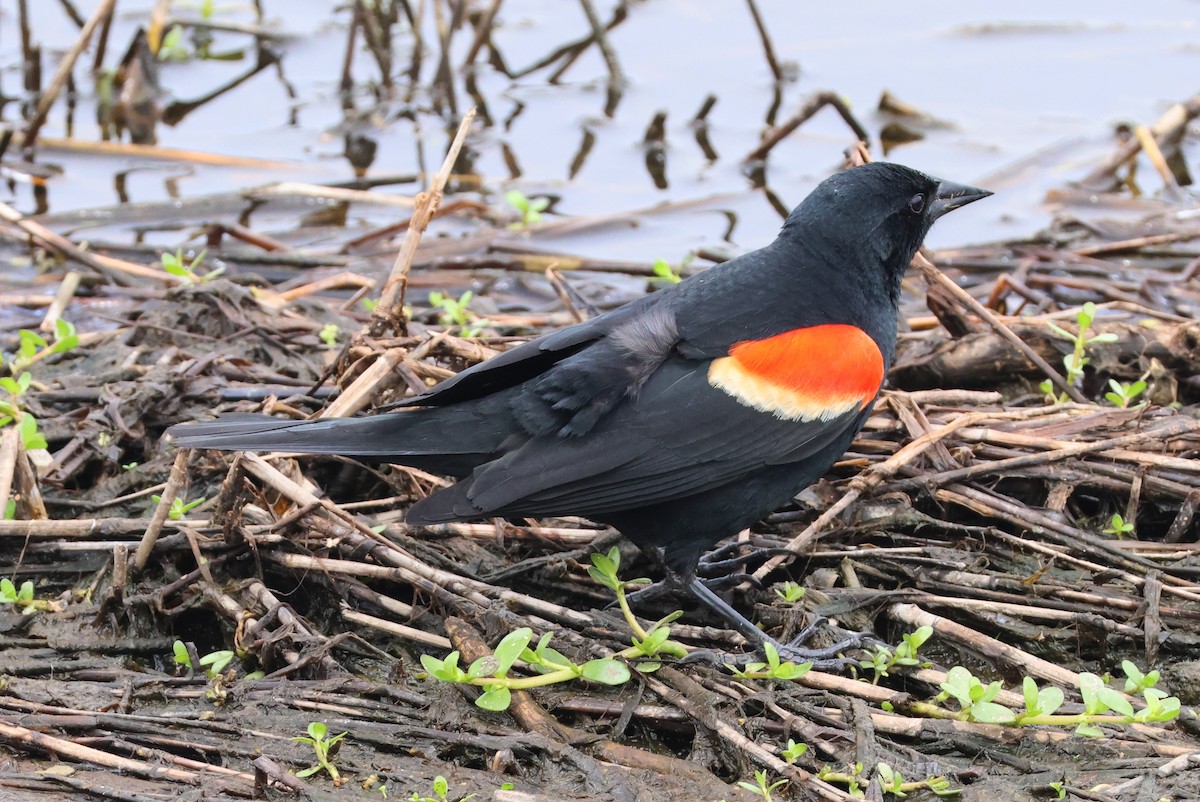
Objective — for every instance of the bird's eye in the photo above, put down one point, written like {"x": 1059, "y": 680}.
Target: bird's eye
{"x": 916, "y": 204}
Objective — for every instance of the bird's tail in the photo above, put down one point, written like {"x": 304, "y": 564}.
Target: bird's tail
{"x": 450, "y": 440}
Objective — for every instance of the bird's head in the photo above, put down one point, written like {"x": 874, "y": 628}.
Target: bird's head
{"x": 880, "y": 212}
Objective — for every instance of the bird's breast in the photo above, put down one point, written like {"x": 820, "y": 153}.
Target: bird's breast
{"x": 813, "y": 373}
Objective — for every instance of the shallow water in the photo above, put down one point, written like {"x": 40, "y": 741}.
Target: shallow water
{"x": 1032, "y": 78}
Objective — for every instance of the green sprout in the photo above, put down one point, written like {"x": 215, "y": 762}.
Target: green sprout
{"x": 31, "y": 347}
{"x": 212, "y": 663}
{"x": 22, "y": 596}
{"x": 172, "y": 47}
{"x": 772, "y": 667}
{"x": 665, "y": 273}
{"x": 329, "y": 334}
{"x": 1118, "y": 527}
{"x": 1123, "y": 394}
{"x": 179, "y": 507}
{"x": 648, "y": 644}
{"x": 850, "y": 778}
{"x": 325, "y": 747}
{"x": 441, "y": 789}
{"x": 1075, "y": 361}
{"x": 905, "y": 654}
{"x": 31, "y": 436}
{"x": 129, "y": 466}
{"x": 530, "y": 209}
{"x": 790, "y": 592}
{"x": 179, "y": 265}
{"x": 1135, "y": 680}
{"x": 760, "y": 787}
{"x": 976, "y": 699}
{"x": 1059, "y": 788}
{"x": 1102, "y": 704}
{"x": 455, "y": 312}
{"x": 792, "y": 752}
{"x": 491, "y": 671}
{"x": 891, "y": 782}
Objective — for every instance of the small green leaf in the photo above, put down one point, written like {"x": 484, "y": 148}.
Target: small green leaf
{"x": 28, "y": 344}
{"x": 986, "y": 693}
{"x": 1085, "y": 315}
{"x": 1089, "y": 688}
{"x": 958, "y": 685}
{"x": 482, "y": 667}
{"x": 1029, "y": 690}
{"x": 510, "y": 648}
{"x": 792, "y": 671}
{"x": 772, "y": 655}
{"x": 1115, "y": 700}
{"x": 329, "y": 334}
{"x": 1060, "y": 331}
{"x": 516, "y": 199}
{"x": 65, "y": 337}
{"x": 1050, "y": 699}
{"x": 445, "y": 670}
{"x": 992, "y": 713}
{"x": 496, "y": 698}
{"x": 217, "y": 661}
{"x": 31, "y": 438}
{"x": 548, "y": 660}
{"x": 180, "y": 653}
{"x": 606, "y": 672}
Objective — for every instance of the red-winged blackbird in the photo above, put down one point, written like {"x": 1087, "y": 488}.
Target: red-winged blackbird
{"x": 681, "y": 418}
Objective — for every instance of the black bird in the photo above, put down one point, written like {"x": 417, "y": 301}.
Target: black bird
{"x": 680, "y": 418}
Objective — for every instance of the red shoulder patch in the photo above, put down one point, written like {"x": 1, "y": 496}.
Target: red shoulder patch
{"x": 814, "y": 373}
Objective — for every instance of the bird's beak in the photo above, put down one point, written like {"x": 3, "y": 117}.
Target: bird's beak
{"x": 951, "y": 196}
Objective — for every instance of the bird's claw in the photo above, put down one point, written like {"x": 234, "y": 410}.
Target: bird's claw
{"x": 825, "y": 658}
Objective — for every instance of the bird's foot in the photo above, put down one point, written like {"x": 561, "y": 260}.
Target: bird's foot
{"x": 794, "y": 649}
{"x": 825, "y": 658}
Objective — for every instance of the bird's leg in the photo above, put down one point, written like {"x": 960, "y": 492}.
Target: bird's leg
{"x": 825, "y": 658}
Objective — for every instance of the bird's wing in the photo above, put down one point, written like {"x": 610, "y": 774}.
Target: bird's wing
{"x": 531, "y": 359}
{"x": 693, "y": 425}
